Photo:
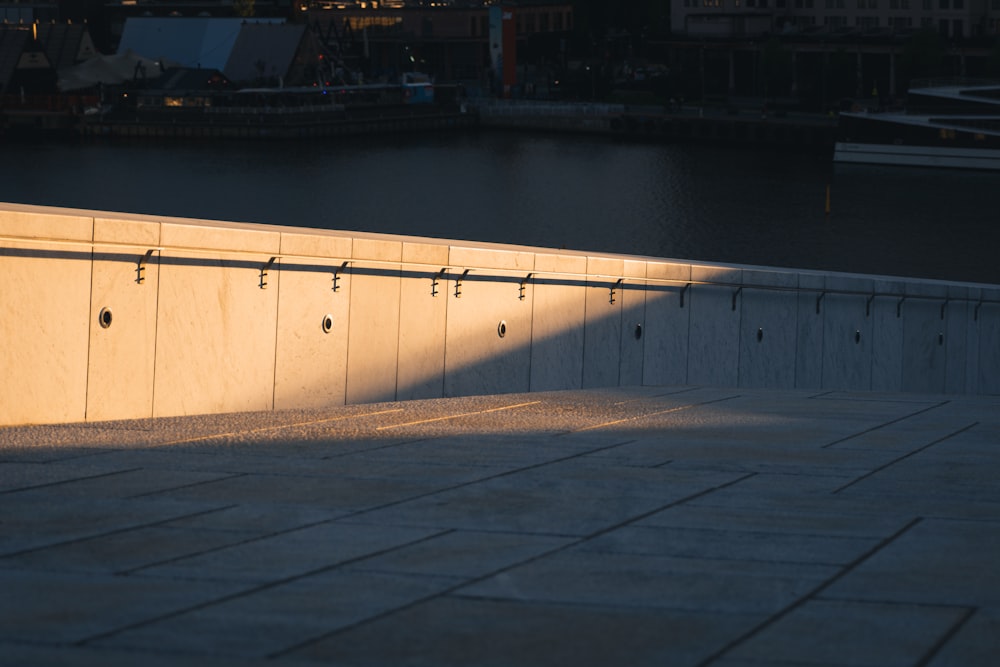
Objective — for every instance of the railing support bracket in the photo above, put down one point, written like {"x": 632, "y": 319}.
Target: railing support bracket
{"x": 520, "y": 289}
{"x": 617, "y": 285}
{"x": 336, "y": 276}
{"x": 140, "y": 271}
{"x": 263, "y": 272}
{"x": 458, "y": 283}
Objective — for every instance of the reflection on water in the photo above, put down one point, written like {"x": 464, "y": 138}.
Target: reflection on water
{"x": 681, "y": 201}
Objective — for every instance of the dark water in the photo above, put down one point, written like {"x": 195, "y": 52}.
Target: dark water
{"x": 687, "y": 202}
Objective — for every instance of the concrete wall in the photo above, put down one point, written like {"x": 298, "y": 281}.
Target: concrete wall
{"x": 113, "y": 316}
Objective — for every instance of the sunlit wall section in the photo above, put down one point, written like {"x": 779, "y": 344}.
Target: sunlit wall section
{"x": 558, "y": 314}
{"x": 123, "y": 318}
{"x": 45, "y": 272}
{"x": 314, "y": 298}
{"x": 487, "y": 348}
{"x": 216, "y": 319}
{"x": 423, "y": 312}
{"x": 373, "y": 334}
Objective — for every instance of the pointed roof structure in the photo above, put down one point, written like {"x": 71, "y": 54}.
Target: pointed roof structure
{"x": 66, "y": 44}
{"x": 192, "y": 42}
{"x": 264, "y": 51}
{"x": 13, "y": 42}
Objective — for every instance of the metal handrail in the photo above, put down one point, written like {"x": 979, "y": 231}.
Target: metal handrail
{"x": 615, "y": 281}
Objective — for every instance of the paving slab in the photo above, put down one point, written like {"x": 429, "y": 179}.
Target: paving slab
{"x": 643, "y": 525}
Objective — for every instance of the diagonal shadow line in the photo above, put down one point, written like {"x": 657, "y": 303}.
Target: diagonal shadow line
{"x": 905, "y": 456}
{"x": 771, "y": 620}
{"x": 475, "y": 580}
{"x": 117, "y": 531}
{"x": 188, "y": 486}
{"x": 946, "y": 637}
{"x": 227, "y": 598}
{"x": 350, "y": 515}
{"x": 884, "y": 424}
{"x": 69, "y": 481}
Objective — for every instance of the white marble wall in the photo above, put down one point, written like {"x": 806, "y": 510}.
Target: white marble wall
{"x": 122, "y": 343}
{"x": 45, "y": 272}
{"x": 665, "y": 336}
{"x": 230, "y": 317}
{"x": 847, "y": 334}
{"x": 558, "y": 315}
{"x": 714, "y": 331}
{"x": 768, "y": 330}
{"x": 603, "y": 328}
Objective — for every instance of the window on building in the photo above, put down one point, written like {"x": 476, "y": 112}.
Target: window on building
{"x": 544, "y": 22}
{"x": 893, "y": 4}
{"x": 928, "y": 5}
{"x": 558, "y": 21}
{"x": 780, "y": 4}
{"x": 958, "y": 4}
{"x": 957, "y": 29}
{"x": 473, "y": 26}
{"x": 904, "y": 4}
{"x": 944, "y": 4}
{"x": 872, "y": 4}
{"x": 995, "y": 4}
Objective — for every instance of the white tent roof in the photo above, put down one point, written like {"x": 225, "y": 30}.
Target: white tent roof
{"x": 109, "y": 70}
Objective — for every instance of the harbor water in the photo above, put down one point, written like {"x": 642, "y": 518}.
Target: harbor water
{"x": 747, "y": 205}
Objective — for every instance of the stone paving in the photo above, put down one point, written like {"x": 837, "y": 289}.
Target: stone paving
{"x": 642, "y": 526}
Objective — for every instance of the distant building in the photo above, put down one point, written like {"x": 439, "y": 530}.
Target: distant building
{"x": 952, "y": 19}
{"x": 28, "y": 11}
{"x": 449, "y": 40}
{"x": 246, "y": 51}
{"x": 825, "y": 52}
{"x": 32, "y": 53}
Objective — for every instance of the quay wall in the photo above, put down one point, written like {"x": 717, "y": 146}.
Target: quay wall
{"x": 120, "y": 316}
{"x": 730, "y": 126}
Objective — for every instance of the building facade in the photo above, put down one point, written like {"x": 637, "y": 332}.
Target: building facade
{"x": 952, "y": 19}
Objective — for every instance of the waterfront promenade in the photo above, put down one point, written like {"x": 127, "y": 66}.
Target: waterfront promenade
{"x": 636, "y": 526}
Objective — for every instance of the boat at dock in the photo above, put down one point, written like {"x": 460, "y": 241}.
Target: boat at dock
{"x": 951, "y": 125}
